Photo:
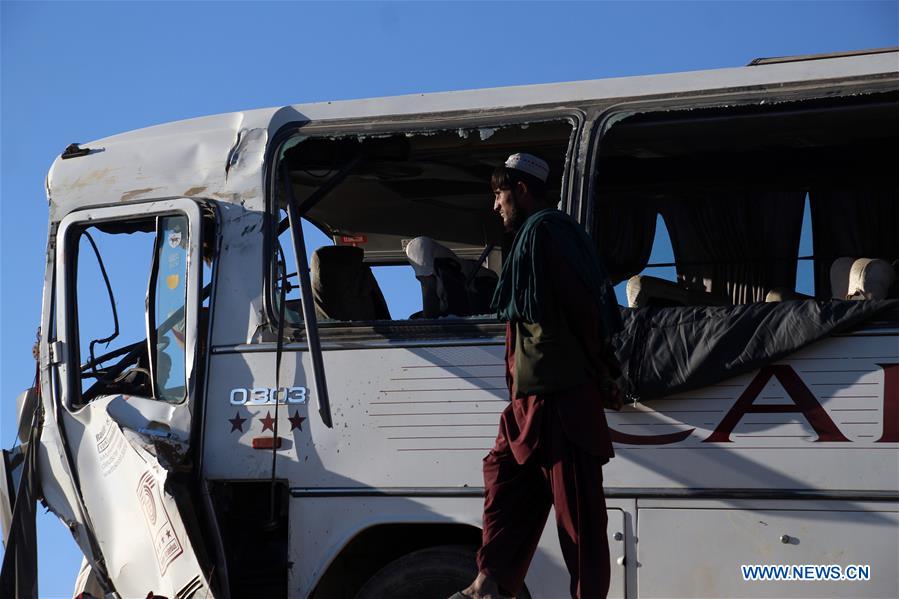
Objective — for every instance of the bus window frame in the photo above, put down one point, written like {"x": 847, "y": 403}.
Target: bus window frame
{"x": 602, "y": 116}
{"x": 68, "y": 234}
{"x": 413, "y": 124}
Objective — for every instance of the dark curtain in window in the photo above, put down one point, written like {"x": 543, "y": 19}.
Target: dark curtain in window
{"x": 738, "y": 245}
{"x": 625, "y": 229}
{"x": 852, "y": 222}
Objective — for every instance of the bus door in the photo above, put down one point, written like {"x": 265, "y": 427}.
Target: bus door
{"x": 124, "y": 343}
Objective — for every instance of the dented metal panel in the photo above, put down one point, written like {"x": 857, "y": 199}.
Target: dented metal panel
{"x": 214, "y": 157}
{"x": 136, "y": 521}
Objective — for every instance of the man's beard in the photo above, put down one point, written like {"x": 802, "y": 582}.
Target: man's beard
{"x": 513, "y": 218}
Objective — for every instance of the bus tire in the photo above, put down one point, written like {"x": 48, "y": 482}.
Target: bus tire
{"x": 432, "y": 573}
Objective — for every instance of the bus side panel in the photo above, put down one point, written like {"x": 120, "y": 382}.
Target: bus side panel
{"x": 699, "y": 552}
{"x": 403, "y": 417}
{"x": 813, "y": 421}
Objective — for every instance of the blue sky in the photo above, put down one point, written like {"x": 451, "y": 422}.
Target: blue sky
{"x": 77, "y": 71}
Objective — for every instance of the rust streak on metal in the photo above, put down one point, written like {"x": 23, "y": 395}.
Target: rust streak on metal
{"x": 130, "y": 195}
{"x": 103, "y": 175}
{"x": 195, "y": 191}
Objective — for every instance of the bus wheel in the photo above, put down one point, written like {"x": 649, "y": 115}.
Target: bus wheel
{"x": 436, "y": 572}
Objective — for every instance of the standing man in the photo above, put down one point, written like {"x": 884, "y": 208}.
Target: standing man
{"x": 553, "y": 438}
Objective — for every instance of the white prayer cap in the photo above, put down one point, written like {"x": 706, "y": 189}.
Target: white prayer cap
{"x": 530, "y": 164}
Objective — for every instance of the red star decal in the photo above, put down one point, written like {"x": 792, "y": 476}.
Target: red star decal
{"x": 296, "y": 421}
{"x": 268, "y": 423}
{"x": 237, "y": 422}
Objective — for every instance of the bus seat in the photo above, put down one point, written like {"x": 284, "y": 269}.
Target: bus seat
{"x": 344, "y": 287}
{"x": 481, "y": 283}
{"x": 449, "y": 284}
{"x": 782, "y": 294}
{"x": 861, "y": 278}
{"x": 839, "y": 277}
{"x": 423, "y": 251}
{"x": 870, "y": 278}
{"x": 644, "y": 291}
{"x": 439, "y": 270}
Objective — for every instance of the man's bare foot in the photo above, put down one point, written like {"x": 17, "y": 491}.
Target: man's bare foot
{"x": 483, "y": 587}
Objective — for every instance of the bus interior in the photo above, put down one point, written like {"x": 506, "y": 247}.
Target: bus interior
{"x": 736, "y": 199}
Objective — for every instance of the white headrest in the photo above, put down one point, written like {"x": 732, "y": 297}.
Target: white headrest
{"x": 632, "y": 290}
{"x": 870, "y": 278}
{"x": 422, "y": 251}
{"x": 641, "y": 289}
{"x": 839, "y": 277}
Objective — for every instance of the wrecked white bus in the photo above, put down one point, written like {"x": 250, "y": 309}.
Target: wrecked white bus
{"x": 261, "y": 421}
